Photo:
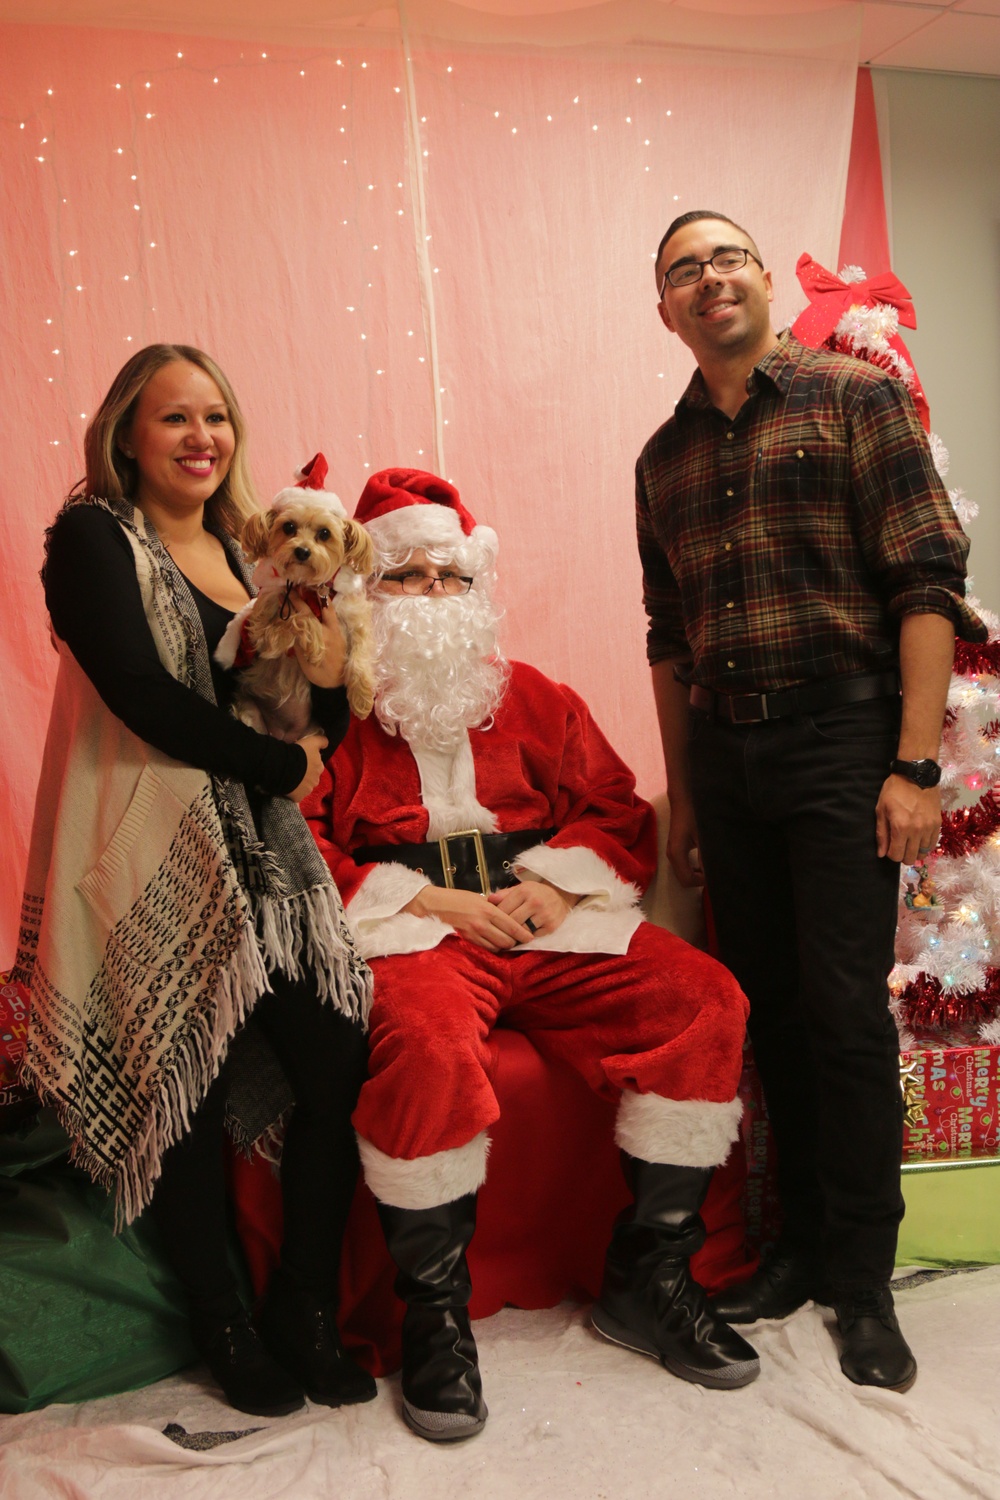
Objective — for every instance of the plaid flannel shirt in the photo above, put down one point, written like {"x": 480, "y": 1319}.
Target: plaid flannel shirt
{"x": 782, "y": 545}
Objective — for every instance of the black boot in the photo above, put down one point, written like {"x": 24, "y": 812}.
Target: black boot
{"x": 442, "y": 1391}
{"x": 649, "y": 1301}
{"x": 251, "y": 1381}
{"x": 785, "y": 1279}
{"x": 300, "y": 1330}
{"x": 874, "y": 1350}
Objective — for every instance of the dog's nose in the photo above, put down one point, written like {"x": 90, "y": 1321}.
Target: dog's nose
{"x": 302, "y": 554}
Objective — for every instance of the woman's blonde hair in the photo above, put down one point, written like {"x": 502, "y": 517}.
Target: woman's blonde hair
{"x": 111, "y": 474}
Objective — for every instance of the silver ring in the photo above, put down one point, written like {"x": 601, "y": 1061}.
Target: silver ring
{"x": 922, "y": 850}
{"x": 530, "y": 926}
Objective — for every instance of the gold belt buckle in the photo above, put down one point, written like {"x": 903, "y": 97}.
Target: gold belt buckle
{"x": 449, "y": 869}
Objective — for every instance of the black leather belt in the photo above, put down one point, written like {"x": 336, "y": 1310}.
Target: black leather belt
{"x": 754, "y": 708}
{"x": 466, "y": 861}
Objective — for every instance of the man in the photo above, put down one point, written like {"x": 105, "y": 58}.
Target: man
{"x": 800, "y": 559}
{"x": 490, "y": 849}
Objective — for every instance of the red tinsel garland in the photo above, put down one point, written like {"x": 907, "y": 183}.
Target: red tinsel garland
{"x": 841, "y": 344}
{"x": 977, "y": 658}
{"x": 964, "y": 831}
{"x": 926, "y": 1007}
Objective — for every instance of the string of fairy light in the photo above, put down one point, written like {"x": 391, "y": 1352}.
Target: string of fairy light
{"x": 147, "y": 108}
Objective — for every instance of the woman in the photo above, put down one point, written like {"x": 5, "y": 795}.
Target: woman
{"x": 174, "y": 889}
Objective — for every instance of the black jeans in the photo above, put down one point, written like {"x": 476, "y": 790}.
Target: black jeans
{"x": 806, "y": 917}
{"x": 324, "y": 1055}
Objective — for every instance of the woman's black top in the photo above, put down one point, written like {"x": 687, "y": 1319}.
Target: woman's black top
{"x": 93, "y": 597}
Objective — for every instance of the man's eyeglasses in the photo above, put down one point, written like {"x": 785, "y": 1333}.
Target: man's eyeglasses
{"x": 424, "y": 583}
{"x": 687, "y": 272}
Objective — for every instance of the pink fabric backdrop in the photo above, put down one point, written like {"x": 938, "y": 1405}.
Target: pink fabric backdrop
{"x": 418, "y": 254}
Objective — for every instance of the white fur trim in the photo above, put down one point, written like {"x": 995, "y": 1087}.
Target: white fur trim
{"x": 385, "y": 890}
{"x": 681, "y": 1132}
{"x": 425, "y": 525}
{"x": 225, "y": 652}
{"x": 298, "y": 494}
{"x": 403, "y": 933}
{"x": 426, "y": 1181}
{"x": 581, "y": 872}
{"x": 448, "y": 790}
{"x": 377, "y": 920}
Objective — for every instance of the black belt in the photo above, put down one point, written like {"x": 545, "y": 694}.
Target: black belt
{"x": 754, "y": 708}
{"x": 466, "y": 861}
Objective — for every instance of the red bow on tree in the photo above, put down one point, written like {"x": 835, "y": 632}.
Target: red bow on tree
{"x": 830, "y": 298}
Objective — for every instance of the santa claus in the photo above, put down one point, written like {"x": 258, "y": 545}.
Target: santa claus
{"x": 491, "y": 851}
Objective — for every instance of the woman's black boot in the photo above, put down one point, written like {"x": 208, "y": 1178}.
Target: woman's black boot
{"x": 300, "y": 1330}
{"x": 251, "y": 1381}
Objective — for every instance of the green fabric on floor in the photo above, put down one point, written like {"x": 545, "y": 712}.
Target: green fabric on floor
{"x": 83, "y": 1312}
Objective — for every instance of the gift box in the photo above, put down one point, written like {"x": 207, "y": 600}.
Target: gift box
{"x": 951, "y": 1094}
{"x": 15, "y": 1100}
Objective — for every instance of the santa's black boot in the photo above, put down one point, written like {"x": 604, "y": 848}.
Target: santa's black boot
{"x": 649, "y": 1301}
{"x": 442, "y": 1390}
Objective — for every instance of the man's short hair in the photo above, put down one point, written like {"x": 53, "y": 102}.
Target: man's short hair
{"x": 692, "y": 217}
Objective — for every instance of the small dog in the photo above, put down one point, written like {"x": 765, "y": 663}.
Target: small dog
{"x": 304, "y": 543}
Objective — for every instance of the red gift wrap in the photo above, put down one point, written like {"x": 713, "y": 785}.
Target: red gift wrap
{"x": 951, "y": 1088}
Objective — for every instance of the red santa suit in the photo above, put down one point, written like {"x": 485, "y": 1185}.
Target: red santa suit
{"x": 640, "y": 1014}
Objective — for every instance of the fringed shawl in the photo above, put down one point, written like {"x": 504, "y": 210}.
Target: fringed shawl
{"x": 153, "y": 911}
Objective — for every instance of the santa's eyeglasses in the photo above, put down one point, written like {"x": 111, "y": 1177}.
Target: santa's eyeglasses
{"x": 413, "y": 582}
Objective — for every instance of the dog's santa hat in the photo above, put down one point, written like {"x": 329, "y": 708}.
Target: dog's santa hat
{"x": 402, "y": 509}
{"x": 311, "y": 477}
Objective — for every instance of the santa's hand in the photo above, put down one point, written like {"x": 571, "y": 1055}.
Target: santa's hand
{"x": 329, "y": 671}
{"x": 471, "y": 915}
{"x": 537, "y": 905}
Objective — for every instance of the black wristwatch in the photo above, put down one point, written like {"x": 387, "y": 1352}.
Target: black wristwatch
{"x": 923, "y": 773}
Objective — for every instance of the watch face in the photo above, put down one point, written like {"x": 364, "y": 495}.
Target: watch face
{"x": 923, "y": 773}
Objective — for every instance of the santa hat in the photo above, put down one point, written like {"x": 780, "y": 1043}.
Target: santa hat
{"x": 312, "y": 477}
{"x": 402, "y": 509}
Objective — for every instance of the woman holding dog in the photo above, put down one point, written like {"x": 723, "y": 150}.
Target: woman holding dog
{"x": 182, "y": 939}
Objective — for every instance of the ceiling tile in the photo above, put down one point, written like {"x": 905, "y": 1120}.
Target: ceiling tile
{"x": 978, "y": 7}
{"x": 953, "y": 43}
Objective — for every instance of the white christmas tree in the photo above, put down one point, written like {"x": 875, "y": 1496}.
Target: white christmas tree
{"x": 947, "y": 972}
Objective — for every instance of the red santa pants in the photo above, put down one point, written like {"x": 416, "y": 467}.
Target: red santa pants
{"x": 663, "y": 1019}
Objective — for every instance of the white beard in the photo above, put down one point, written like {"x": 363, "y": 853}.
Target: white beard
{"x": 438, "y": 672}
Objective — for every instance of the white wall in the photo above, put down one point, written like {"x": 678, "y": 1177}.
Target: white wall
{"x": 941, "y": 151}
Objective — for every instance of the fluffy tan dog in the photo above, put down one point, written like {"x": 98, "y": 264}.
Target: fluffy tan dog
{"x": 305, "y": 543}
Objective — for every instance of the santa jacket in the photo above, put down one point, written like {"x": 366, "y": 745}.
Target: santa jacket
{"x": 542, "y": 763}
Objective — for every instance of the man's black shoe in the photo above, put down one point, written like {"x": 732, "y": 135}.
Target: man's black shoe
{"x": 783, "y": 1282}
{"x": 874, "y": 1350}
{"x": 251, "y": 1381}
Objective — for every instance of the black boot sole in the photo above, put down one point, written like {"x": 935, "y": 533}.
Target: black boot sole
{"x": 411, "y": 1416}
{"x": 616, "y": 1333}
{"x": 280, "y": 1409}
{"x": 324, "y": 1398}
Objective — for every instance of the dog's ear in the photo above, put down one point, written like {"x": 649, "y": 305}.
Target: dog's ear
{"x": 257, "y": 534}
{"x": 359, "y": 552}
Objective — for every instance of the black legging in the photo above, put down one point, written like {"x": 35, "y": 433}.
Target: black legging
{"x": 324, "y": 1055}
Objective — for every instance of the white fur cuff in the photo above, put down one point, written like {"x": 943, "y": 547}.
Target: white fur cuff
{"x": 581, "y": 872}
{"x": 426, "y": 1181}
{"x": 681, "y": 1132}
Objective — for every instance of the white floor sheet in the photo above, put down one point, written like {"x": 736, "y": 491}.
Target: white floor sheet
{"x": 573, "y": 1417}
